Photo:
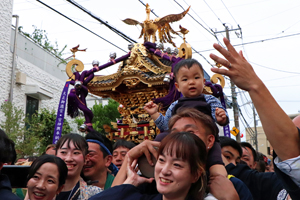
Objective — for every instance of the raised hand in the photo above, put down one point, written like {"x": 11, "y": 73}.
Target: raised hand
{"x": 238, "y": 68}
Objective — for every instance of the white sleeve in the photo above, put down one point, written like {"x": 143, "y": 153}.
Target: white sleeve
{"x": 290, "y": 167}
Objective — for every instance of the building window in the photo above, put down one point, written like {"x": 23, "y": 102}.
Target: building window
{"x": 32, "y": 106}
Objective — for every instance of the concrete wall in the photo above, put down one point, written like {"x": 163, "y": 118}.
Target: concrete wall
{"x": 5, "y": 54}
{"x": 39, "y": 57}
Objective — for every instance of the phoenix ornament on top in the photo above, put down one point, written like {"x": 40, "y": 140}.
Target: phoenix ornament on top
{"x": 162, "y": 25}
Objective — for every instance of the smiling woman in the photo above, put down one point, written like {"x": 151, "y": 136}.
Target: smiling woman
{"x": 179, "y": 172}
{"x": 72, "y": 149}
{"x": 46, "y": 177}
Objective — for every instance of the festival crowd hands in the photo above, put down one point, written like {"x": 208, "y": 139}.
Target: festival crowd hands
{"x": 238, "y": 69}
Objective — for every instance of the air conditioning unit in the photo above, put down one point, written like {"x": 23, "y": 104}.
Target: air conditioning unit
{"x": 20, "y": 78}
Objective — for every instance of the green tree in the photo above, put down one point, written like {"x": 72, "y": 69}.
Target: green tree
{"x": 105, "y": 114}
{"x": 13, "y": 125}
{"x": 102, "y": 115}
{"x": 42, "y": 125}
{"x": 35, "y": 138}
{"x": 40, "y": 36}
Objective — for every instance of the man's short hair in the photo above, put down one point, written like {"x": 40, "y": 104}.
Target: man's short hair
{"x": 247, "y": 144}
{"x": 209, "y": 125}
{"x": 123, "y": 143}
{"x": 226, "y": 141}
{"x": 94, "y": 135}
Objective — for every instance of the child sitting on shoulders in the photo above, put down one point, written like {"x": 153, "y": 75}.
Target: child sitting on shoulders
{"x": 190, "y": 81}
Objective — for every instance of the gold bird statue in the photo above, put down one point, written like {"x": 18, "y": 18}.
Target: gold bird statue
{"x": 183, "y": 31}
{"x": 75, "y": 49}
{"x": 162, "y": 25}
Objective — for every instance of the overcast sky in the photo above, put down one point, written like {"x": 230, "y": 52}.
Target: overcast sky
{"x": 270, "y": 34}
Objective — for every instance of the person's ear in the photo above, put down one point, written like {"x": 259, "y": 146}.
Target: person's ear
{"x": 210, "y": 141}
{"x": 108, "y": 160}
{"x": 254, "y": 164}
{"x": 196, "y": 178}
{"x": 177, "y": 86}
{"x": 59, "y": 189}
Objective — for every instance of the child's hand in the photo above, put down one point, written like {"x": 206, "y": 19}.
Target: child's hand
{"x": 151, "y": 108}
{"x": 221, "y": 116}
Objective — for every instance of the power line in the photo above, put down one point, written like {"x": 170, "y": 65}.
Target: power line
{"x": 105, "y": 23}
{"x": 197, "y": 15}
{"x": 275, "y": 79}
{"x": 272, "y": 15}
{"x": 247, "y": 125}
{"x": 229, "y": 12}
{"x": 80, "y": 25}
{"x": 213, "y": 12}
{"x": 211, "y": 31}
{"x": 263, "y": 40}
{"x": 289, "y": 27}
{"x": 274, "y": 69}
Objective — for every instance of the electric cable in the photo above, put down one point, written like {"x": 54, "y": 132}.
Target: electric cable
{"x": 80, "y": 25}
{"x": 229, "y": 11}
{"x": 212, "y": 32}
{"x": 127, "y": 38}
{"x": 253, "y": 42}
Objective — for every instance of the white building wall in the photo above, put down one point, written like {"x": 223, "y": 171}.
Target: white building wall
{"x": 41, "y": 67}
{"x": 5, "y": 54}
{"x": 36, "y": 76}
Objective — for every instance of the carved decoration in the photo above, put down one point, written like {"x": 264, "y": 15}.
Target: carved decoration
{"x": 160, "y": 25}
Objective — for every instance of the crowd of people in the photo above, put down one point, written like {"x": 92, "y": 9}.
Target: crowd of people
{"x": 187, "y": 161}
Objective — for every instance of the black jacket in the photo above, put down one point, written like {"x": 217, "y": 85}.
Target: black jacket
{"x": 262, "y": 185}
{"x": 288, "y": 183}
{"x": 5, "y": 189}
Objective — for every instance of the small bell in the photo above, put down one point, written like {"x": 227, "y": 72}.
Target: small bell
{"x": 130, "y": 46}
{"x": 167, "y": 78}
{"x": 78, "y": 84}
{"x": 95, "y": 62}
{"x": 168, "y": 50}
{"x": 175, "y": 52}
{"x": 113, "y": 55}
{"x": 83, "y": 128}
{"x": 160, "y": 46}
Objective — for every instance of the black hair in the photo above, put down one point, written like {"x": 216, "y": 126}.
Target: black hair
{"x": 94, "y": 135}
{"x": 3, "y": 134}
{"x": 191, "y": 149}
{"x": 61, "y": 166}
{"x": 226, "y": 141}
{"x": 186, "y": 63}
{"x": 247, "y": 144}
{"x": 7, "y": 148}
{"x": 123, "y": 143}
{"x": 208, "y": 123}
{"x": 78, "y": 140}
{"x": 261, "y": 165}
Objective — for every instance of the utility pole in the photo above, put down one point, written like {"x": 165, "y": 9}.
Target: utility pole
{"x": 255, "y": 129}
{"x": 12, "y": 84}
{"x": 233, "y": 92}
